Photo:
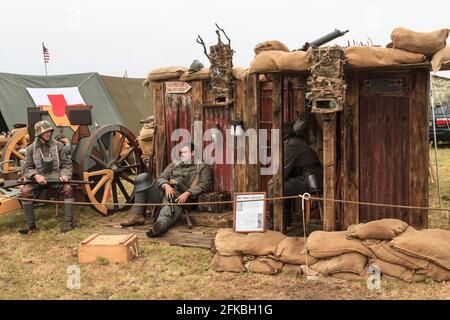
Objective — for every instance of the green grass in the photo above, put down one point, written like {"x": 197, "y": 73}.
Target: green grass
{"x": 439, "y": 219}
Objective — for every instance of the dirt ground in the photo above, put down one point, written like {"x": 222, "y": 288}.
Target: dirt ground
{"x": 35, "y": 267}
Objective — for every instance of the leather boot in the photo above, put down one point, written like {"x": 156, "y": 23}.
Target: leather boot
{"x": 158, "y": 228}
{"x": 136, "y": 220}
{"x": 68, "y": 211}
{"x": 28, "y": 211}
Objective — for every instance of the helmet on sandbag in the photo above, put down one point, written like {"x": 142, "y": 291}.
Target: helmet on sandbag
{"x": 196, "y": 66}
{"x": 41, "y": 127}
{"x": 143, "y": 182}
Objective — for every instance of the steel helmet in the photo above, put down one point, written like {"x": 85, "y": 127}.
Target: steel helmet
{"x": 196, "y": 66}
{"x": 143, "y": 182}
{"x": 41, "y": 127}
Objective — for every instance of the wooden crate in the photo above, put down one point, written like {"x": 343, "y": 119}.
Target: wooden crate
{"x": 114, "y": 248}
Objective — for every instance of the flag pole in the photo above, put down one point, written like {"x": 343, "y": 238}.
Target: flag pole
{"x": 45, "y": 63}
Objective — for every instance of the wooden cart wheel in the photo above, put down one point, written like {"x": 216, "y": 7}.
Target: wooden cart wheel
{"x": 10, "y": 155}
{"x": 111, "y": 158}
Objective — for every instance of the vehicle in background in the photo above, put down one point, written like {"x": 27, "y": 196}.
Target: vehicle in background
{"x": 442, "y": 121}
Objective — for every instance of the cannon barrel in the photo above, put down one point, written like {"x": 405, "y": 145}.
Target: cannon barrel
{"x": 325, "y": 39}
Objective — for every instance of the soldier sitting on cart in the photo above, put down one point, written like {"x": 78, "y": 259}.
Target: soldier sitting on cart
{"x": 46, "y": 159}
{"x": 181, "y": 182}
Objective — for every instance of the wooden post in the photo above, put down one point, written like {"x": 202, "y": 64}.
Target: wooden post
{"x": 277, "y": 178}
{"x": 251, "y": 121}
{"x": 329, "y": 176}
{"x": 350, "y": 154}
{"x": 240, "y": 104}
{"x": 160, "y": 120}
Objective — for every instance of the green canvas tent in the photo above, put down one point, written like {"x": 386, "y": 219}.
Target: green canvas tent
{"x": 115, "y": 100}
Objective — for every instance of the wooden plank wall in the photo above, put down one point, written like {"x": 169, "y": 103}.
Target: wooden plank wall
{"x": 329, "y": 170}
{"x": 240, "y": 105}
{"x": 350, "y": 152}
{"x": 419, "y": 154}
{"x": 277, "y": 179}
{"x": 160, "y": 119}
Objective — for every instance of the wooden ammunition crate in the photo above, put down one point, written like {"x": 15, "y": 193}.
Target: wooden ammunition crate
{"x": 114, "y": 248}
{"x": 214, "y": 197}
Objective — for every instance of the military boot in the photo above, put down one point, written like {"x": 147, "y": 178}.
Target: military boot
{"x": 136, "y": 220}
{"x": 158, "y": 228}
{"x": 68, "y": 211}
{"x": 28, "y": 211}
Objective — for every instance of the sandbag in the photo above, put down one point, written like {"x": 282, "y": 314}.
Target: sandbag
{"x": 348, "y": 262}
{"x": 166, "y": 73}
{"x": 384, "y": 251}
{"x": 291, "y": 270}
{"x": 264, "y": 265}
{"x": 146, "y": 133}
{"x": 393, "y": 270}
{"x": 323, "y": 244}
{"x": 435, "y": 272}
{"x": 349, "y": 276}
{"x": 271, "y": 45}
{"x": 292, "y": 250}
{"x": 240, "y": 73}
{"x": 441, "y": 60}
{"x": 269, "y": 61}
{"x": 203, "y": 74}
{"x": 429, "y": 244}
{"x": 427, "y": 43}
{"x": 229, "y": 243}
{"x": 384, "y": 229}
{"x": 227, "y": 264}
{"x": 364, "y": 57}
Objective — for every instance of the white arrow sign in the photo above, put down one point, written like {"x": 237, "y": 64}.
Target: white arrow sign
{"x": 177, "y": 87}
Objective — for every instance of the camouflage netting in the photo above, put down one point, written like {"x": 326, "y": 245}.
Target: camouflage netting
{"x": 411, "y": 255}
{"x": 221, "y": 58}
{"x": 327, "y": 77}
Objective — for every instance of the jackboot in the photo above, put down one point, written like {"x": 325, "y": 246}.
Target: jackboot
{"x": 68, "y": 211}
{"x": 28, "y": 211}
{"x": 158, "y": 228}
{"x": 135, "y": 220}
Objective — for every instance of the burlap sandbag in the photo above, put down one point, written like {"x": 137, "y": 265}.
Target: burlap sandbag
{"x": 166, "y": 73}
{"x": 203, "y": 74}
{"x": 229, "y": 243}
{"x": 264, "y": 265}
{"x": 385, "y": 229}
{"x": 364, "y": 57}
{"x": 348, "y": 262}
{"x": 430, "y": 244}
{"x": 435, "y": 272}
{"x": 291, "y": 270}
{"x": 427, "y": 43}
{"x": 393, "y": 270}
{"x": 292, "y": 250}
{"x": 384, "y": 251}
{"x": 227, "y": 264}
{"x": 271, "y": 45}
{"x": 269, "y": 61}
{"x": 349, "y": 276}
{"x": 441, "y": 60}
{"x": 329, "y": 244}
{"x": 240, "y": 73}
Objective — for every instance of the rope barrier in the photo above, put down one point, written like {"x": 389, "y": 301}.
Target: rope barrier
{"x": 228, "y": 202}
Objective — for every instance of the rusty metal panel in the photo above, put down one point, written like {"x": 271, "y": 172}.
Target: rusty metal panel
{"x": 178, "y": 110}
{"x": 384, "y": 138}
{"x": 220, "y": 118}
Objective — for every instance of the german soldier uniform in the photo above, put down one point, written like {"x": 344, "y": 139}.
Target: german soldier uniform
{"x": 50, "y": 160}
{"x": 195, "y": 178}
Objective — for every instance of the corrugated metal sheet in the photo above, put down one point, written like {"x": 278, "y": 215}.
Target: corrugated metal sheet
{"x": 220, "y": 118}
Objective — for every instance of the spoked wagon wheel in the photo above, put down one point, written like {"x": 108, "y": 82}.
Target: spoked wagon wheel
{"x": 111, "y": 158}
{"x": 10, "y": 155}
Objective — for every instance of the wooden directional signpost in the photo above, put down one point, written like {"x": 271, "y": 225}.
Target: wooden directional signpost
{"x": 177, "y": 87}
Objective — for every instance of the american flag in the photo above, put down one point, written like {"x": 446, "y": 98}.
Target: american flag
{"x": 46, "y": 54}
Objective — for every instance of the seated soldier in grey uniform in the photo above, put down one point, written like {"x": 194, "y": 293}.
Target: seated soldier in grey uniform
{"x": 46, "y": 159}
{"x": 181, "y": 182}
{"x": 299, "y": 162}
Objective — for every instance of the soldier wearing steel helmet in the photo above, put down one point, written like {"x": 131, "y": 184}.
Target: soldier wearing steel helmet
{"x": 182, "y": 181}
{"x": 46, "y": 159}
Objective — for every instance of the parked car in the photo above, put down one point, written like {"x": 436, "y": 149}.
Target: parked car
{"x": 442, "y": 121}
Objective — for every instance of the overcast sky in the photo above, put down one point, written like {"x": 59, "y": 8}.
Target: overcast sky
{"x": 136, "y": 35}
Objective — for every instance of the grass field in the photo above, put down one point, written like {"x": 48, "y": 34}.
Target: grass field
{"x": 35, "y": 267}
